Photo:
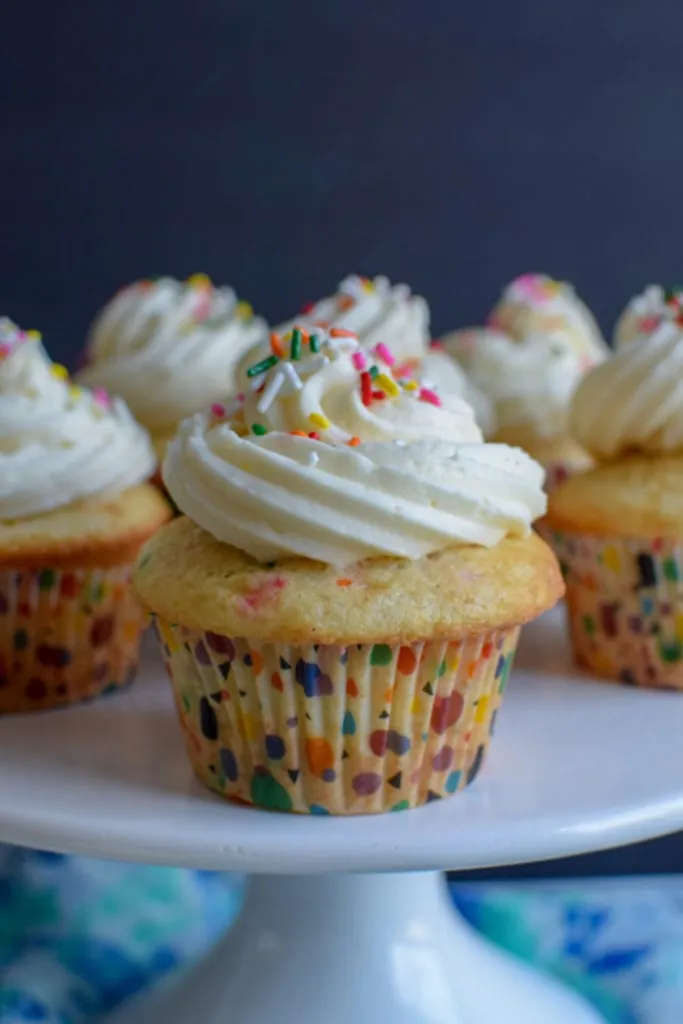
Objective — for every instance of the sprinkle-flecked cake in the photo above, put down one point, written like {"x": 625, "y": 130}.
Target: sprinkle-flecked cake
{"x": 74, "y": 510}
{"x": 340, "y": 607}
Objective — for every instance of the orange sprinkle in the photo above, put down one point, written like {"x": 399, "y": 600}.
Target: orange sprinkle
{"x": 298, "y": 433}
{"x": 342, "y": 332}
{"x": 353, "y": 442}
{"x": 344, "y": 583}
{"x": 276, "y": 345}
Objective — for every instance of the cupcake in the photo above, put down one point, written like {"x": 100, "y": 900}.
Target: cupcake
{"x": 536, "y": 304}
{"x": 618, "y": 529}
{"x": 530, "y": 382}
{"x": 169, "y": 348}
{"x": 646, "y": 312}
{"x": 340, "y": 604}
{"x": 74, "y": 510}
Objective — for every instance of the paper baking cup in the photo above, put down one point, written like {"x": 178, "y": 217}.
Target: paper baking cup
{"x": 65, "y": 636}
{"x": 625, "y": 606}
{"x": 336, "y": 730}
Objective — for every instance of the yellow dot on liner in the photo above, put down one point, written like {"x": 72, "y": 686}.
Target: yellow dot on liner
{"x": 245, "y": 310}
{"x": 388, "y": 386}
{"x": 199, "y": 281}
{"x": 679, "y": 626}
{"x": 410, "y": 385}
{"x": 415, "y": 706}
{"x": 318, "y": 420}
{"x": 611, "y": 559}
{"x": 481, "y": 711}
{"x": 59, "y": 371}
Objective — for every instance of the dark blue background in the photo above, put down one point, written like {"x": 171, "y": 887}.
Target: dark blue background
{"x": 279, "y": 145}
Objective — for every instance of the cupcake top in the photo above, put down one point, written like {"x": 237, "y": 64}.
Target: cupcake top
{"x": 529, "y": 380}
{"x": 375, "y": 310}
{"x": 331, "y": 456}
{"x": 59, "y": 443}
{"x": 634, "y": 402}
{"x": 170, "y": 347}
{"x": 536, "y": 304}
{"x": 647, "y": 311}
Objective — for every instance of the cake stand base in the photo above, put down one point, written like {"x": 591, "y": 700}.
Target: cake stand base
{"x": 356, "y": 949}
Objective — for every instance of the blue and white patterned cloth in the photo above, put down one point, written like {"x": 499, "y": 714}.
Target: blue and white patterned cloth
{"x": 77, "y": 936}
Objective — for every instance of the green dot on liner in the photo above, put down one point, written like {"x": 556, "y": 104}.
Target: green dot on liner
{"x": 267, "y": 792}
{"x": 670, "y": 652}
{"x": 402, "y": 805}
{"x": 46, "y": 579}
{"x": 20, "y": 640}
{"x": 588, "y": 624}
{"x": 381, "y": 654}
{"x": 441, "y": 670}
{"x": 671, "y": 570}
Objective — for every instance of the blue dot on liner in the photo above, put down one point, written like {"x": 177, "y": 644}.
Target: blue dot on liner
{"x": 318, "y": 809}
{"x": 348, "y": 725}
{"x": 275, "y": 748}
{"x": 229, "y": 764}
{"x": 329, "y": 775}
{"x": 647, "y": 605}
{"x": 452, "y": 782}
{"x": 500, "y": 666}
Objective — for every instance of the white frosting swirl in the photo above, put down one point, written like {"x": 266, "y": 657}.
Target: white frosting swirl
{"x": 375, "y": 310}
{"x": 415, "y": 479}
{"x": 536, "y": 304}
{"x": 646, "y": 312}
{"x": 634, "y": 402}
{"x": 441, "y": 371}
{"x": 59, "y": 443}
{"x": 170, "y": 348}
{"x": 530, "y": 381}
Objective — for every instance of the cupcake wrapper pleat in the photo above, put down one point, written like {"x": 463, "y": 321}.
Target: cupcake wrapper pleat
{"x": 65, "y": 635}
{"x": 336, "y": 730}
{"x": 625, "y": 606}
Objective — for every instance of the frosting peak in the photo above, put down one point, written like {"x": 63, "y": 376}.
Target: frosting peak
{"x": 59, "y": 443}
{"x": 332, "y": 456}
{"x": 170, "y": 347}
{"x": 648, "y": 311}
{"x": 634, "y": 402}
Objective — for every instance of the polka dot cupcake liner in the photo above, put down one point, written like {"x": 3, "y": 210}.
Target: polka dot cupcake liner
{"x": 323, "y": 729}
{"x": 625, "y": 606}
{"x": 65, "y": 635}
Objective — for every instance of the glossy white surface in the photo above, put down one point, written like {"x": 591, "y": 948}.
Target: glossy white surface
{"x": 382, "y": 949}
{"x": 577, "y": 765}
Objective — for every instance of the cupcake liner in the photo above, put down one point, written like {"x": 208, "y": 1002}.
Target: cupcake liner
{"x": 324, "y": 729}
{"x": 625, "y": 606}
{"x": 65, "y": 635}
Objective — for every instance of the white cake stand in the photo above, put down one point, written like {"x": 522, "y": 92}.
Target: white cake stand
{"x": 576, "y": 766}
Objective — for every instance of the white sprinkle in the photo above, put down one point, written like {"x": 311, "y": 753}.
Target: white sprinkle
{"x": 256, "y": 382}
{"x": 313, "y": 460}
{"x": 272, "y": 390}
{"x": 343, "y": 344}
{"x": 309, "y": 366}
{"x": 293, "y": 381}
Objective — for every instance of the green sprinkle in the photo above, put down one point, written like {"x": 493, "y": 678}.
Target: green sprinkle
{"x": 46, "y": 579}
{"x": 258, "y": 368}
{"x": 588, "y": 624}
{"x": 671, "y": 569}
{"x": 313, "y": 343}
{"x": 295, "y": 348}
{"x": 258, "y": 428}
{"x": 374, "y": 370}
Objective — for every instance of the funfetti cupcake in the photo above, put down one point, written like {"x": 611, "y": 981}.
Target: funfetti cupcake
{"x": 340, "y": 606}
{"x": 74, "y": 510}
{"x": 530, "y": 382}
{"x": 536, "y": 304}
{"x": 648, "y": 311}
{"x": 373, "y": 309}
{"x": 169, "y": 348}
{"x": 618, "y": 529}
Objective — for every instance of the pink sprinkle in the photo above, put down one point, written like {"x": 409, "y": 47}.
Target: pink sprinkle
{"x": 218, "y": 410}
{"x": 240, "y": 397}
{"x": 359, "y": 361}
{"x": 438, "y": 345}
{"x": 648, "y": 324}
{"x": 384, "y": 353}
{"x": 101, "y": 396}
{"x": 4, "y": 350}
{"x": 427, "y": 395}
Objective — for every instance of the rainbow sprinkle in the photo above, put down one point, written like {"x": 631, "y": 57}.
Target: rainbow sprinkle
{"x": 295, "y": 345}
{"x": 385, "y": 354}
{"x": 259, "y": 429}
{"x": 359, "y": 361}
{"x": 427, "y": 395}
{"x": 318, "y": 420}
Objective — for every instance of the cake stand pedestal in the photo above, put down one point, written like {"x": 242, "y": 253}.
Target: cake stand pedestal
{"x": 337, "y": 938}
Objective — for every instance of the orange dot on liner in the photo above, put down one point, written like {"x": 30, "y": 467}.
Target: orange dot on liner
{"x": 344, "y": 583}
{"x": 353, "y": 442}
{"x": 319, "y": 755}
{"x": 407, "y": 662}
{"x": 256, "y": 662}
{"x": 351, "y": 688}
